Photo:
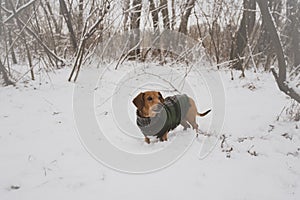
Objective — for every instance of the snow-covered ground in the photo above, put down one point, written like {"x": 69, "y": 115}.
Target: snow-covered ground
{"x": 42, "y": 157}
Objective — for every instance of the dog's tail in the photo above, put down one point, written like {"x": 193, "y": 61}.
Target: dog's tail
{"x": 203, "y": 114}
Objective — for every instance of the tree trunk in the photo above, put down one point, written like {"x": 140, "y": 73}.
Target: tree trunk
{"x": 57, "y": 28}
{"x": 154, "y": 14}
{"x": 243, "y": 33}
{"x": 49, "y": 19}
{"x": 136, "y": 14}
{"x": 185, "y": 16}
{"x": 81, "y": 50}
{"x": 80, "y": 17}
{"x": 135, "y": 52}
{"x": 293, "y": 30}
{"x": 165, "y": 13}
{"x": 67, "y": 18}
{"x": 281, "y": 77}
{"x": 126, "y": 14}
{"x": 173, "y": 18}
{"x": 155, "y": 18}
{"x": 5, "y": 77}
{"x": 1, "y": 20}
{"x": 10, "y": 41}
{"x": 265, "y": 39}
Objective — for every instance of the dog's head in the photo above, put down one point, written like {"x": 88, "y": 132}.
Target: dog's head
{"x": 147, "y": 103}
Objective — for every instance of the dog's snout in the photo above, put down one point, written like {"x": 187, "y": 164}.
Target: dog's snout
{"x": 157, "y": 107}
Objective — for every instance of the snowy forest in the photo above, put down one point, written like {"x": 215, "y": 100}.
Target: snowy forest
{"x": 70, "y": 70}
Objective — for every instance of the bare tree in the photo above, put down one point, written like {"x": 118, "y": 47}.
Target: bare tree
{"x": 1, "y": 20}
{"x": 185, "y": 17}
{"x": 135, "y": 52}
{"x": 154, "y": 14}
{"x": 54, "y": 21}
{"x": 293, "y": 30}
{"x": 43, "y": 31}
{"x": 10, "y": 40}
{"x": 165, "y": 13}
{"x": 281, "y": 76}
{"x": 243, "y": 34}
{"x": 173, "y": 18}
{"x": 16, "y": 13}
{"x": 23, "y": 36}
{"x": 80, "y": 17}
{"x": 126, "y": 8}
{"x": 264, "y": 42}
{"x": 5, "y": 76}
{"x": 68, "y": 20}
{"x": 88, "y": 32}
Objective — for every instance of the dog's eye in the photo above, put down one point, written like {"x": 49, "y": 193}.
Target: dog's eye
{"x": 149, "y": 98}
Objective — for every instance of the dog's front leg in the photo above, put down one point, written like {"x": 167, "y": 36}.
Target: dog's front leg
{"x": 164, "y": 137}
{"x": 147, "y": 140}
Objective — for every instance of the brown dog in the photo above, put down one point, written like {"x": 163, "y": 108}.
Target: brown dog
{"x": 148, "y": 102}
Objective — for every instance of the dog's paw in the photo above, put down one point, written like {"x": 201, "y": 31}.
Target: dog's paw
{"x": 147, "y": 140}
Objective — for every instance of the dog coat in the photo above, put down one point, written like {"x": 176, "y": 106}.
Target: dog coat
{"x": 168, "y": 117}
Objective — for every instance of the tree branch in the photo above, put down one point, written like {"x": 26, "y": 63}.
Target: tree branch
{"x": 18, "y": 11}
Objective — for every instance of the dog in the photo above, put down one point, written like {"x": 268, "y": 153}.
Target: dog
{"x": 178, "y": 109}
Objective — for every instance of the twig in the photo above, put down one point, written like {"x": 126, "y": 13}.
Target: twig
{"x": 14, "y": 14}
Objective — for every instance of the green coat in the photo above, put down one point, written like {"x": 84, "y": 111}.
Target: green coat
{"x": 168, "y": 118}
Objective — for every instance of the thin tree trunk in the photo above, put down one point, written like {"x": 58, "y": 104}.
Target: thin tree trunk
{"x": 80, "y": 17}
{"x": 269, "y": 24}
{"x": 243, "y": 33}
{"x": 68, "y": 20}
{"x": 185, "y": 16}
{"x": 48, "y": 16}
{"x": 10, "y": 40}
{"x": 5, "y": 76}
{"x": 165, "y": 13}
{"x": 29, "y": 60}
{"x": 81, "y": 48}
{"x": 155, "y": 18}
{"x": 293, "y": 14}
{"x": 6, "y": 50}
{"x": 265, "y": 39}
{"x": 173, "y": 18}
{"x": 1, "y": 20}
{"x": 135, "y": 26}
{"x": 154, "y": 14}
{"x": 57, "y": 29}
{"x": 36, "y": 19}
{"x": 126, "y": 14}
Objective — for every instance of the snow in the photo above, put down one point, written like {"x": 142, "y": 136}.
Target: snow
{"x": 42, "y": 154}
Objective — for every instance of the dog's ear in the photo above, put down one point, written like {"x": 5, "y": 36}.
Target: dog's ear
{"x": 138, "y": 101}
{"x": 161, "y": 97}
